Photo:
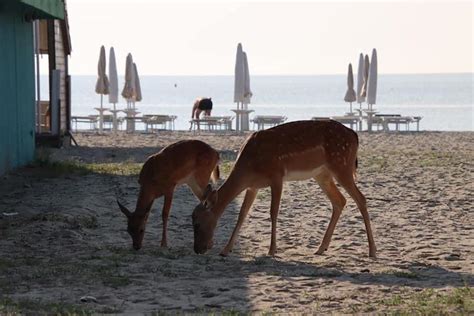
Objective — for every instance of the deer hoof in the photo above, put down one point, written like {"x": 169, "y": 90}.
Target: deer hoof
{"x": 320, "y": 251}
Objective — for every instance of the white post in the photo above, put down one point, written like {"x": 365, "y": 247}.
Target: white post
{"x": 115, "y": 119}
{"x": 101, "y": 119}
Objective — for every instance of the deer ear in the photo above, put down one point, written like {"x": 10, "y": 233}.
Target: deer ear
{"x": 207, "y": 191}
{"x": 124, "y": 209}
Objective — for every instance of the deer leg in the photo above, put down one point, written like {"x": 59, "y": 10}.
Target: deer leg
{"x": 244, "y": 210}
{"x": 338, "y": 202}
{"x": 164, "y": 215}
{"x": 349, "y": 185}
{"x": 274, "y": 208}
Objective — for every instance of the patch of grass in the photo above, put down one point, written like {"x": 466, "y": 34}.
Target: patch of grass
{"x": 122, "y": 168}
{"x": 405, "y": 274}
{"x": 59, "y": 168}
{"x": 431, "y": 302}
{"x": 225, "y": 167}
{"x": 393, "y": 301}
{"x": 9, "y": 306}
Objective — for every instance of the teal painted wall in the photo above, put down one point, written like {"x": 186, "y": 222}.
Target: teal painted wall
{"x": 17, "y": 88}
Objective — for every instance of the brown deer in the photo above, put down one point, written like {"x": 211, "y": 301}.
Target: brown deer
{"x": 188, "y": 162}
{"x": 323, "y": 150}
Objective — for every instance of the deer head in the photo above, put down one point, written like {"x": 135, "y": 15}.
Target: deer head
{"x": 204, "y": 221}
{"x": 135, "y": 226}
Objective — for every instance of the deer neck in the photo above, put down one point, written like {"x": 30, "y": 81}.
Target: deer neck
{"x": 144, "y": 203}
{"x": 229, "y": 190}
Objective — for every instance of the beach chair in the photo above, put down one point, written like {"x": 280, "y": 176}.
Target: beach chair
{"x": 212, "y": 123}
{"x": 385, "y": 120}
{"x": 154, "y": 122}
{"x": 92, "y": 120}
{"x": 267, "y": 120}
{"x": 107, "y": 122}
{"x": 351, "y": 120}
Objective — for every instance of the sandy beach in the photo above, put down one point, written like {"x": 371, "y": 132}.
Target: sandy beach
{"x": 64, "y": 245}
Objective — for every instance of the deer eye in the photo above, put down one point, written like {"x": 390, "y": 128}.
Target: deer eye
{"x": 196, "y": 226}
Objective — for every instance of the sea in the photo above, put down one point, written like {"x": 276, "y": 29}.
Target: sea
{"x": 445, "y": 101}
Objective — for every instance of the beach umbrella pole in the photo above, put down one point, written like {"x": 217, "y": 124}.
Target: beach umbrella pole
{"x": 100, "y": 114}
{"x": 115, "y": 119}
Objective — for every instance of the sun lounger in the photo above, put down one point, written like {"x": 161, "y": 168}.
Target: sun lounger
{"x": 385, "y": 120}
{"x": 158, "y": 121}
{"x": 352, "y": 121}
{"x": 267, "y": 120}
{"x": 90, "y": 119}
{"x": 212, "y": 123}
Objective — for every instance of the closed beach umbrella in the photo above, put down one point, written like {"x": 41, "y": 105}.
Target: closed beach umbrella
{"x": 128, "y": 91}
{"x": 102, "y": 84}
{"x": 247, "y": 91}
{"x": 113, "y": 88}
{"x": 360, "y": 79}
{"x": 363, "y": 91}
{"x": 239, "y": 76}
{"x": 372, "y": 83}
{"x": 138, "y": 89}
{"x": 113, "y": 79}
{"x": 350, "y": 93}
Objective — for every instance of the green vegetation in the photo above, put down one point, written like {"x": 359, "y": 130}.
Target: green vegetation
{"x": 59, "y": 168}
{"x": 225, "y": 166}
{"x": 431, "y": 302}
{"x": 68, "y": 167}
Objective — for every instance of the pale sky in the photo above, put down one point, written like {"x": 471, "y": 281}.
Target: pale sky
{"x": 280, "y": 37}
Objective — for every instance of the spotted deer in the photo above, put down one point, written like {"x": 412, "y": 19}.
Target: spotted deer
{"x": 190, "y": 162}
{"x": 323, "y": 150}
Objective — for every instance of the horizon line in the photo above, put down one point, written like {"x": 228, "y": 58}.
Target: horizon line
{"x": 287, "y": 75}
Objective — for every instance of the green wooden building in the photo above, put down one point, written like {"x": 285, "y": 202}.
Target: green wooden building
{"x": 18, "y": 107}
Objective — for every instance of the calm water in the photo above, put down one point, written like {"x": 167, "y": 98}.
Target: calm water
{"x": 444, "y": 101}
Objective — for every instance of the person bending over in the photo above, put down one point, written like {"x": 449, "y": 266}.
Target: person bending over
{"x": 201, "y": 105}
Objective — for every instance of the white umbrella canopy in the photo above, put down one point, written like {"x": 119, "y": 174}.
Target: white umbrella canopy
{"x": 102, "y": 84}
{"x": 113, "y": 78}
{"x": 350, "y": 93}
{"x": 363, "y": 91}
{"x": 360, "y": 79}
{"x": 138, "y": 89}
{"x": 372, "y": 82}
{"x": 247, "y": 92}
{"x": 113, "y": 89}
{"x": 128, "y": 91}
{"x": 239, "y": 75}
